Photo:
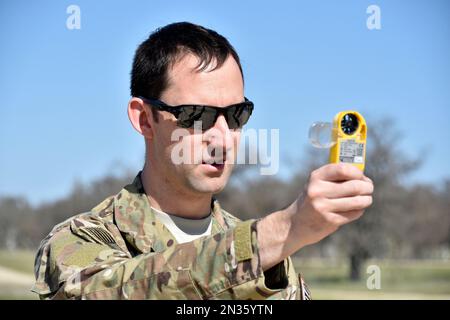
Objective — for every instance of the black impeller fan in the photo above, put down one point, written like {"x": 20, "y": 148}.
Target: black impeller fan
{"x": 349, "y": 123}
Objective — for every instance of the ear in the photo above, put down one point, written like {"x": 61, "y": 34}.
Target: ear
{"x": 141, "y": 117}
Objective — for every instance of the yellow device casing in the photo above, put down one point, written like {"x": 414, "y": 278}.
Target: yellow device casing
{"x": 350, "y": 147}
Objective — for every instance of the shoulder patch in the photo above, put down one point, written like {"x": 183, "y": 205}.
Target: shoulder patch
{"x": 92, "y": 232}
{"x": 100, "y": 234}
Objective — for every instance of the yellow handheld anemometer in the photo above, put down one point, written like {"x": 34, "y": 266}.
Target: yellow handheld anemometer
{"x": 350, "y": 133}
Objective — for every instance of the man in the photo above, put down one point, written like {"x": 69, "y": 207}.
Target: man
{"x": 164, "y": 236}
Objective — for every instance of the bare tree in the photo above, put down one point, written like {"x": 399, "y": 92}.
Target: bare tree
{"x": 388, "y": 166}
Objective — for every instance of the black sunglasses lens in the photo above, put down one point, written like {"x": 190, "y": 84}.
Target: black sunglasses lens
{"x": 236, "y": 116}
{"x": 208, "y": 118}
{"x": 190, "y": 114}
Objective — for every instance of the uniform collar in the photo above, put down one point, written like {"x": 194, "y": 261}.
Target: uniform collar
{"x": 137, "y": 221}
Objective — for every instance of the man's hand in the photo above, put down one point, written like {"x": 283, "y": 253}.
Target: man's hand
{"x": 335, "y": 195}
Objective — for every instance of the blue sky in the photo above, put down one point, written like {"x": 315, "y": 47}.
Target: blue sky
{"x": 64, "y": 92}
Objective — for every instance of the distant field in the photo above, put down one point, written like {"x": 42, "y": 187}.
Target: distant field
{"x": 18, "y": 260}
{"x": 327, "y": 279}
{"x": 16, "y": 274}
{"x": 415, "y": 279}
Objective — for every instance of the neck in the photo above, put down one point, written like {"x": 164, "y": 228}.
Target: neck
{"x": 173, "y": 199}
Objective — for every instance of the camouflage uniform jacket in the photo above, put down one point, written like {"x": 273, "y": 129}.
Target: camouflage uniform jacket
{"x": 119, "y": 250}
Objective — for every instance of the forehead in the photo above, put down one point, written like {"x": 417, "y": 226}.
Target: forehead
{"x": 187, "y": 84}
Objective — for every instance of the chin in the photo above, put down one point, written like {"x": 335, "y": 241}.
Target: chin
{"x": 208, "y": 182}
{"x": 209, "y": 185}
{"x": 213, "y": 188}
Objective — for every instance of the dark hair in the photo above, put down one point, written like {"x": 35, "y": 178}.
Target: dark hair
{"x": 168, "y": 44}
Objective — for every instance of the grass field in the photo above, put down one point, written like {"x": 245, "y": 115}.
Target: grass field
{"x": 416, "y": 279}
{"x": 327, "y": 279}
{"x": 16, "y": 274}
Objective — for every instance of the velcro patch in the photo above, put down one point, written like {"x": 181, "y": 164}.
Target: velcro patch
{"x": 243, "y": 241}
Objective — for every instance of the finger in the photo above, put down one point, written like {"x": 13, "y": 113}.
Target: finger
{"x": 349, "y": 203}
{"x": 345, "y": 217}
{"x": 349, "y": 188}
{"x": 338, "y": 172}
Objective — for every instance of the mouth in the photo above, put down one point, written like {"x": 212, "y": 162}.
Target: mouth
{"x": 214, "y": 164}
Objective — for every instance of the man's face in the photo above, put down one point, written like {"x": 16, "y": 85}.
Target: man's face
{"x": 221, "y": 87}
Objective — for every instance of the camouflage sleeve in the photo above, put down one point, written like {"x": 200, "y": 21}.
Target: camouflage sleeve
{"x": 222, "y": 266}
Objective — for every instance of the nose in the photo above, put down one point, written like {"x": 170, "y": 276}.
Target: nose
{"x": 220, "y": 136}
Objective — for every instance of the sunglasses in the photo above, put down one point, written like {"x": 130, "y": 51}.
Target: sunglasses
{"x": 236, "y": 115}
